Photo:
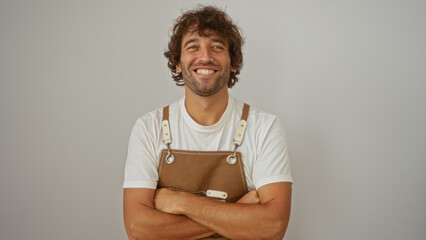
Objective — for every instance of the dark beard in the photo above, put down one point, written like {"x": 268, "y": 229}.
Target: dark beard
{"x": 220, "y": 82}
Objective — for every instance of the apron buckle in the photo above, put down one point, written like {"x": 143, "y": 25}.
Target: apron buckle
{"x": 232, "y": 159}
{"x": 169, "y": 158}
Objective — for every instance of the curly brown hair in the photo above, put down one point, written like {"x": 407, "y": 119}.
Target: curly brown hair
{"x": 202, "y": 20}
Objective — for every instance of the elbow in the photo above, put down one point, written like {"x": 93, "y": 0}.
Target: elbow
{"x": 269, "y": 231}
{"x": 276, "y": 226}
{"x": 136, "y": 232}
{"x": 274, "y": 230}
{"x": 278, "y": 230}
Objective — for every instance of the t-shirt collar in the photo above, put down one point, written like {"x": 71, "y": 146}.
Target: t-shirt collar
{"x": 207, "y": 129}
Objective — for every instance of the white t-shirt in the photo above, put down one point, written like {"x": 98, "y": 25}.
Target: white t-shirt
{"x": 264, "y": 146}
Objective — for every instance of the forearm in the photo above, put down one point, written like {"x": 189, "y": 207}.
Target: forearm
{"x": 234, "y": 220}
{"x": 142, "y": 221}
{"x": 158, "y": 225}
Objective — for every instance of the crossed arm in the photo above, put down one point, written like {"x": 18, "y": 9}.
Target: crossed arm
{"x": 166, "y": 214}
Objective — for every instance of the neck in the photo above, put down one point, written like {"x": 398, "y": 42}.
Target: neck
{"x": 208, "y": 110}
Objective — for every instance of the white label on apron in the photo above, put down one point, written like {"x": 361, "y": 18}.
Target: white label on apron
{"x": 216, "y": 194}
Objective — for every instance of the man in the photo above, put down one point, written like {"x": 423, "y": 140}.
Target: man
{"x": 207, "y": 165}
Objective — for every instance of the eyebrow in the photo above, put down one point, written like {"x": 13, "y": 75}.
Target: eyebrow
{"x": 195, "y": 39}
{"x": 219, "y": 40}
{"x": 192, "y": 40}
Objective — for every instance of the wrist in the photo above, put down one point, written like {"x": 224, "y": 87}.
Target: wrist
{"x": 183, "y": 200}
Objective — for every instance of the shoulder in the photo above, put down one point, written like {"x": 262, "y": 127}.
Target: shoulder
{"x": 262, "y": 125}
{"x": 257, "y": 116}
{"x": 150, "y": 117}
{"x": 156, "y": 115}
{"x": 150, "y": 123}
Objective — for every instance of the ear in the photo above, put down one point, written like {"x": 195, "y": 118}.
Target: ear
{"x": 178, "y": 68}
{"x": 234, "y": 70}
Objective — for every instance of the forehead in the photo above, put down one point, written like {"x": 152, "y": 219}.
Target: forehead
{"x": 194, "y": 35}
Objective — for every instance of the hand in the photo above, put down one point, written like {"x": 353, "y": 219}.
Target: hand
{"x": 167, "y": 200}
{"x": 250, "y": 198}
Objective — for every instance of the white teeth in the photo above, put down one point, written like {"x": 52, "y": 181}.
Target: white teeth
{"x": 205, "y": 71}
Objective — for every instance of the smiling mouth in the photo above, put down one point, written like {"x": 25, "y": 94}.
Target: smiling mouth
{"x": 205, "y": 71}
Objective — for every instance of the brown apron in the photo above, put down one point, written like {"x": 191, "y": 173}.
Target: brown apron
{"x": 216, "y": 174}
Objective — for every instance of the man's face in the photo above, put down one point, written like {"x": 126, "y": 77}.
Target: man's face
{"x": 205, "y": 63}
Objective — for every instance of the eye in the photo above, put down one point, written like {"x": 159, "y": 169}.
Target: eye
{"x": 217, "y": 46}
{"x": 192, "y": 47}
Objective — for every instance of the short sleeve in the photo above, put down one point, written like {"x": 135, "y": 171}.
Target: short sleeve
{"x": 141, "y": 167}
{"x": 272, "y": 162}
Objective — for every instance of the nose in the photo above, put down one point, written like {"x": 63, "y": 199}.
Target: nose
{"x": 205, "y": 55}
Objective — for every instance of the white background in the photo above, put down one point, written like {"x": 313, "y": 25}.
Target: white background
{"x": 347, "y": 78}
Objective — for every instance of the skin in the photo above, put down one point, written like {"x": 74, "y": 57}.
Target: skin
{"x": 266, "y": 220}
{"x": 200, "y": 53}
{"x": 143, "y": 221}
{"x": 167, "y": 214}
{"x": 206, "y": 95}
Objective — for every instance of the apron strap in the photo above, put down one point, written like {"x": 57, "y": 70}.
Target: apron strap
{"x": 167, "y": 138}
{"x": 165, "y": 125}
{"x": 241, "y": 126}
{"x": 166, "y": 113}
{"x": 245, "y": 114}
